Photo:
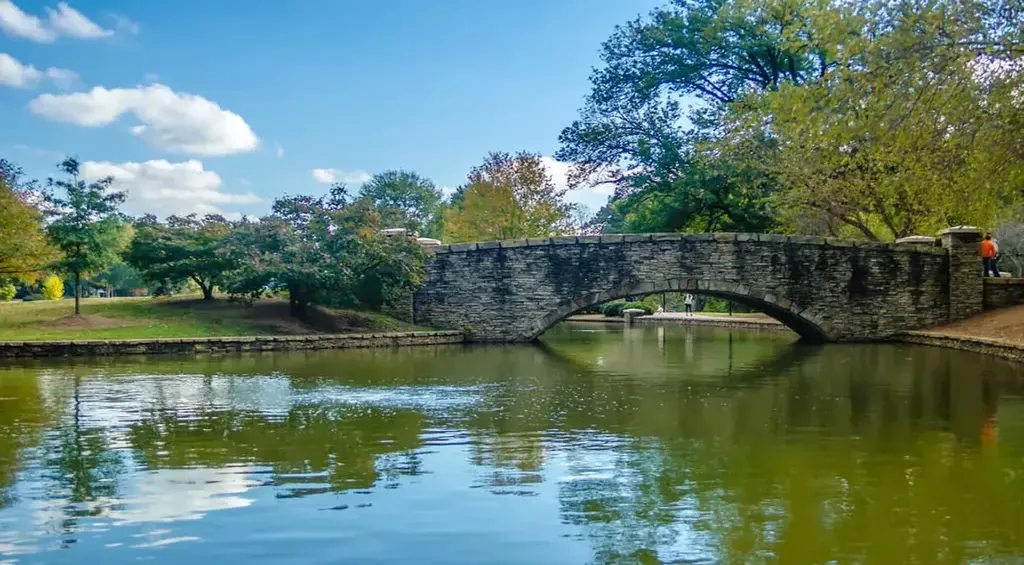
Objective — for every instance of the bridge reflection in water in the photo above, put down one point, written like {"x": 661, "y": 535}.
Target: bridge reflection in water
{"x": 694, "y": 444}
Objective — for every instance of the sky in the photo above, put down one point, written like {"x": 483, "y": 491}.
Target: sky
{"x": 221, "y": 106}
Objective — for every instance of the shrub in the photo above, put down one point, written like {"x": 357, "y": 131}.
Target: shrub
{"x": 612, "y": 309}
{"x": 33, "y": 297}
{"x": 647, "y": 308}
{"x": 53, "y": 288}
{"x": 7, "y": 291}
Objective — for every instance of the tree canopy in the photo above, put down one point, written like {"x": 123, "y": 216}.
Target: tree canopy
{"x": 182, "y": 248}
{"x": 24, "y": 249}
{"x": 87, "y": 226}
{"x": 871, "y": 119}
{"x": 507, "y": 197}
{"x": 405, "y": 199}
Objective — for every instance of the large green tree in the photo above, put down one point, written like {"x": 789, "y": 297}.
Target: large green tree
{"x": 182, "y": 248}
{"x": 322, "y": 250}
{"x": 658, "y": 101}
{"x": 508, "y": 196}
{"x": 87, "y": 226}
{"x": 405, "y": 199}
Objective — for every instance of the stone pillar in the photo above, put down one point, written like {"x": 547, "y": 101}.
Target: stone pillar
{"x": 966, "y": 287}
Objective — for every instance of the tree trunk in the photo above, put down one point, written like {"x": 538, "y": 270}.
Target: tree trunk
{"x": 78, "y": 294}
{"x": 207, "y": 291}
{"x": 297, "y": 304}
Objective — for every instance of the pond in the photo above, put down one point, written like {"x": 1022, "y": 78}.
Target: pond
{"x": 601, "y": 444}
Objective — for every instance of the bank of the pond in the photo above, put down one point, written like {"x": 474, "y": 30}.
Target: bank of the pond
{"x": 89, "y": 348}
{"x": 742, "y": 321}
{"x": 995, "y": 347}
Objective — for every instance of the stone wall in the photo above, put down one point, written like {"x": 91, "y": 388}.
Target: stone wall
{"x": 87, "y": 348}
{"x": 825, "y": 289}
{"x": 1000, "y": 293}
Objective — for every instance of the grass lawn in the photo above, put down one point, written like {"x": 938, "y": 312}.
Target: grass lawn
{"x": 186, "y": 316}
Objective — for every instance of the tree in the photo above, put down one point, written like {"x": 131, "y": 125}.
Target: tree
{"x": 87, "y": 226}
{"x": 53, "y": 288}
{"x": 405, "y": 199}
{"x": 24, "y": 249}
{"x": 918, "y": 126}
{"x": 507, "y": 197}
{"x": 183, "y": 248}
{"x": 7, "y": 291}
{"x": 321, "y": 250}
{"x": 121, "y": 276}
{"x": 635, "y": 131}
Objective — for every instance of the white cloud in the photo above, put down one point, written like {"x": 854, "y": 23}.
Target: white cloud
{"x": 15, "y": 74}
{"x": 593, "y": 197}
{"x": 16, "y": 23}
{"x": 65, "y": 20}
{"x": 62, "y": 21}
{"x": 328, "y": 176}
{"x": 172, "y": 121}
{"x": 64, "y": 79}
{"x": 123, "y": 23}
{"x": 278, "y": 150}
{"x": 163, "y": 188}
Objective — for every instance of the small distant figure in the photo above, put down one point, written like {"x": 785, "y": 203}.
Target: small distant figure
{"x": 660, "y": 309}
{"x": 989, "y": 250}
{"x": 688, "y": 304}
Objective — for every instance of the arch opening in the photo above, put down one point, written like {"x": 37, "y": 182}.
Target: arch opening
{"x": 802, "y": 321}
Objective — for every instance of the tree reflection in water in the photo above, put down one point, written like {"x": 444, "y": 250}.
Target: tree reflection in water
{"x": 661, "y": 445}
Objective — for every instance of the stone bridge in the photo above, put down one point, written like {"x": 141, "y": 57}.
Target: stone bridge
{"x": 824, "y": 289}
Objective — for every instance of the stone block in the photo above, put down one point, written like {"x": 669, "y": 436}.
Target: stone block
{"x": 836, "y": 242}
{"x": 616, "y": 238}
{"x": 666, "y": 237}
{"x": 462, "y": 247}
{"x": 698, "y": 237}
{"x": 512, "y": 243}
{"x": 488, "y": 245}
{"x": 805, "y": 240}
{"x": 636, "y": 237}
{"x": 588, "y": 239}
{"x": 726, "y": 237}
{"x": 538, "y": 242}
{"x": 772, "y": 237}
{"x": 441, "y": 249}
{"x": 746, "y": 237}
{"x": 564, "y": 240}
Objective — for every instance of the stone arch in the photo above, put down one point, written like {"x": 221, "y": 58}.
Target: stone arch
{"x": 802, "y": 321}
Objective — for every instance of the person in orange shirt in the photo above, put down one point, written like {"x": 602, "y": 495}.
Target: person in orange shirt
{"x": 988, "y": 256}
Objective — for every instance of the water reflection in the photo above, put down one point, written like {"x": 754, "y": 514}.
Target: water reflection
{"x": 650, "y": 445}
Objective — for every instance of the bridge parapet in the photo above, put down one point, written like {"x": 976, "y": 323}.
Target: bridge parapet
{"x": 823, "y": 288}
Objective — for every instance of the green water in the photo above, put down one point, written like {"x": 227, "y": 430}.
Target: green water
{"x": 602, "y": 445}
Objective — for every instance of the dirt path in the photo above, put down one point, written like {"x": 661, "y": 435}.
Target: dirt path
{"x": 1005, "y": 324}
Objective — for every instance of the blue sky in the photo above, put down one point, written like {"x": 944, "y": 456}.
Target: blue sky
{"x": 201, "y": 105}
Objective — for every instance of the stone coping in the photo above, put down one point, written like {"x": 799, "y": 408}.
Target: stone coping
{"x": 93, "y": 347}
{"x": 691, "y": 237}
{"x": 987, "y": 346}
{"x": 1004, "y": 281}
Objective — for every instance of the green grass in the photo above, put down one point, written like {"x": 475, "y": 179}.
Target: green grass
{"x": 178, "y": 317}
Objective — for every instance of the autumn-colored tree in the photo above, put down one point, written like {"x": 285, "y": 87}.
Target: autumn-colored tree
{"x": 24, "y": 249}
{"x": 919, "y": 124}
{"x": 53, "y": 288}
{"x": 508, "y": 197}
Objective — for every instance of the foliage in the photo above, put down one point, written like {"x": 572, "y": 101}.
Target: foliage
{"x": 921, "y": 109}
{"x": 7, "y": 291}
{"x": 121, "y": 276}
{"x": 183, "y": 248}
{"x": 868, "y": 119}
{"x": 322, "y": 250}
{"x": 508, "y": 197}
{"x": 53, "y": 288}
{"x": 1010, "y": 237}
{"x": 24, "y": 249}
{"x": 86, "y": 226}
{"x": 405, "y": 199}
{"x": 613, "y": 309}
{"x": 647, "y": 308}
